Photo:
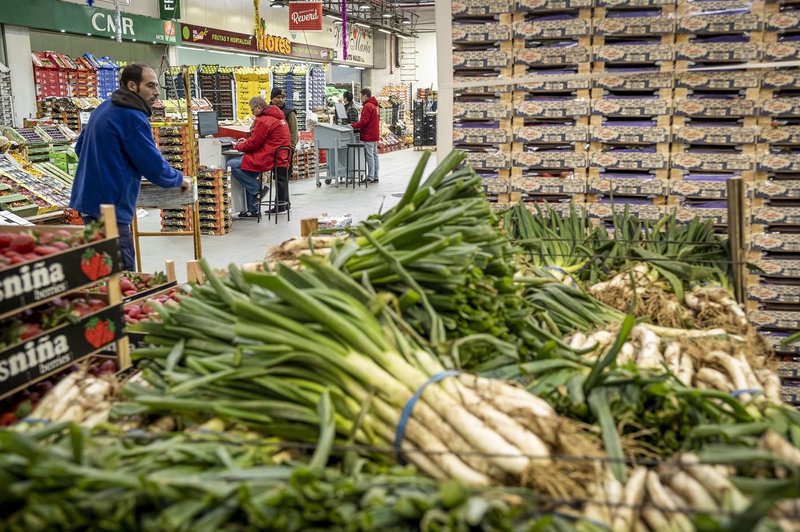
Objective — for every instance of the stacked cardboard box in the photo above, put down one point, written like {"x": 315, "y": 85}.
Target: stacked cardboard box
{"x": 483, "y": 43}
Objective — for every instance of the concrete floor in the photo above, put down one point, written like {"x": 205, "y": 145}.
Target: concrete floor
{"x": 248, "y": 241}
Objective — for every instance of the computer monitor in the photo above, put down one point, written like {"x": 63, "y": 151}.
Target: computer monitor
{"x": 341, "y": 112}
{"x": 207, "y": 123}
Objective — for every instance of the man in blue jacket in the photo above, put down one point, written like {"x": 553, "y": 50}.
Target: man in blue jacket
{"x": 115, "y": 150}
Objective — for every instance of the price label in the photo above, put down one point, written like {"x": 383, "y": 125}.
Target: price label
{"x": 85, "y": 117}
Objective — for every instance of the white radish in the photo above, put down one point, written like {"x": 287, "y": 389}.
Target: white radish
{"x": 634, "y": 495}
{"x": 771, "y": 384}
{"x": 691, "y": 301}
{"x": 686, "y": 371}
{"x": 672, "y": 356}
{"x": 693, "y": 491}
{"x": 626, "y": 354}
{"x": 655, "y": 519}
{"x": 719, "y": 486}
{"x": 577, "y": 341}
{"x": 777, "y": 444}
{"x": 730, "y": 364}
{"x": 649, "y": 355}
{"x": 716, "y": 379}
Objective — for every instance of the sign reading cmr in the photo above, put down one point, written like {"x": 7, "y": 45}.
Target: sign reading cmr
{"x": 105, "y": 22}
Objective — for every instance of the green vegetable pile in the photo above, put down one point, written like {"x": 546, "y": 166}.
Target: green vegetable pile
{"x": 537, "y": 403}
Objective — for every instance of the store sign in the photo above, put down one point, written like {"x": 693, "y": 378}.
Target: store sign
{"x": 56, "y": 15}
{"x": 273, "y": 44}
{"x": 169, "y": 9}
{"x": 311, "y": 52}
{"x": 305, "y": 16}
{"x": 213, "y": 37}
{"x": 359, "y": 45}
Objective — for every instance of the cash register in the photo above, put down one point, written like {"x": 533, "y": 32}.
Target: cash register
{"x": 213, "y": 151}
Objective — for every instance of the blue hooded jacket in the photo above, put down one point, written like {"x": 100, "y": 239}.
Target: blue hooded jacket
{"x": 115, "y": 150}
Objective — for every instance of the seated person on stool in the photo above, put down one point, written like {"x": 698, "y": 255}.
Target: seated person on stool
{"x": 269, "y": 132}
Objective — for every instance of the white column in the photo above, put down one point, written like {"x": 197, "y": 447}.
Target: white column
{"x": 18, "y": 51}
{"x": 444, "y": 60}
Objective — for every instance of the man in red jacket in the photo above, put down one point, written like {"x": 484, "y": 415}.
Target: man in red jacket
{"x": 370, "y": 126}
{"x": 269, "y": 132}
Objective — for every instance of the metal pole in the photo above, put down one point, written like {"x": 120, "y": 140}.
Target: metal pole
{"x": 192, "y": 171}
{"x": 736, "y": 235}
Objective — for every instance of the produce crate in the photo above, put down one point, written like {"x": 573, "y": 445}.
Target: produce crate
{"x": 722, "y": 80}
{"x": 548, "y": 133}
{"x": 775, "y": 241}
{"x": 533, "y": 26}
{"x": 658, "y": 78}
{"x": 466, "y": 8}
{"x": 616, "y": 185}
{"x": 775, "y": 319}
{"x": 39, "y": 280}
{"x": 640, "y": 158}
{"x": 774, "y": 293}
{"x": 54, "y": 350}
{"x": 656, "y": 131}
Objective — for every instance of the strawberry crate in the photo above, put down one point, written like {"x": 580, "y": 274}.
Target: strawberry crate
{"x": 32, "y": 278}
{"x": 51, "y": 351}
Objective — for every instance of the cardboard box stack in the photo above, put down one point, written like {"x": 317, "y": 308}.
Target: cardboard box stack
{"x": 650, "y": 105}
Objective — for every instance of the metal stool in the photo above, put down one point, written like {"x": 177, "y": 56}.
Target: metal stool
{"x": 356, "y": 164}
{"x": 273, "y": 182}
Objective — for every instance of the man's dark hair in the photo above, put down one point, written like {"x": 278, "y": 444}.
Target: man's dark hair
{"x": 366, "y": 92}
{"x": 132, "y": 72}
{"x": 348, "y": 96}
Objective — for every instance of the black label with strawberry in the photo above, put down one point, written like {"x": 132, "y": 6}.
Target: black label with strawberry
{"x": 51, "y": 271}
{"x": 55, "y": 349}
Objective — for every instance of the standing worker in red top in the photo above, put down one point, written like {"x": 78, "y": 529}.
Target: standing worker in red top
{"x": 370, "y": 126}
{"x": 270, "y": 132}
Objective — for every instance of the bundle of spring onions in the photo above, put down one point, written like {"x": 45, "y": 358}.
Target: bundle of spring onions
{"x": 440, "y": 250}
{"x": 572, "y": 249}
{"x": 258, "y": 350}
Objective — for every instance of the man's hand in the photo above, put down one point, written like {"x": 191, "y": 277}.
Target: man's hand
{"x": 187, "y": 183}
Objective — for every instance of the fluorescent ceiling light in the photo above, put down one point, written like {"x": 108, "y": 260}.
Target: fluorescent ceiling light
{"x": 387, "y": 32}
{"x": 361, "y": 25}
{"x": 63, "y": 31}
{"x": 402, "y": 36}
{"x": 359, "y": 68}
{"x": 333, "y": 17}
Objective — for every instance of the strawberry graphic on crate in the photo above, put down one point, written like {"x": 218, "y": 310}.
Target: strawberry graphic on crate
{"x": 99, "y": 332}
{"x": 95, "y": 265}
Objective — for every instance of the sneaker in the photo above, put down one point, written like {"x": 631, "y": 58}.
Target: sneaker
{"x": 372, "y": 180}
{"x": 248, "y": 214}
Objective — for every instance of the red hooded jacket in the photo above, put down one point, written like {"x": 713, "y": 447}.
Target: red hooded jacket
{"x": 370, "y": 121}
{"x": 270, "y": 132}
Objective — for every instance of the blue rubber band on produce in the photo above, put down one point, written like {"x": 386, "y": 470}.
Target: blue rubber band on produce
{"x": 751, "y": 391}
{"x": 406, "y": 415}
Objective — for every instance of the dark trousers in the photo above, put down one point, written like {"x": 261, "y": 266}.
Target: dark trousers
{"x": 125, "y": 243}
{"x": 282, "y": 185}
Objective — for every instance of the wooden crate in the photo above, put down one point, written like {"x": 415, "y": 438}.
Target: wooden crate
{"x": 689, "y": 53}
{"x": 550, "y": 134}
{"x": 632, "y": 107}
{"x": 575, "y": 107}
{"x": 483, "y": 59}
{"x": 723, "y": 135}
{"x": 489, "y": 31}
{"x": 728, "y": 79}
{"x": 528, "y": 27}
{"x": 553, "y": 55}
{"x": 634, "y": 26}
{"x": 537, "y": 80}
{"x": 663, "y": 79}
{"x": 644, "y": 161}
{"x": 659, "y": 133}
{"x": 605, "y": 186}
{"x": 469, "y": 8}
